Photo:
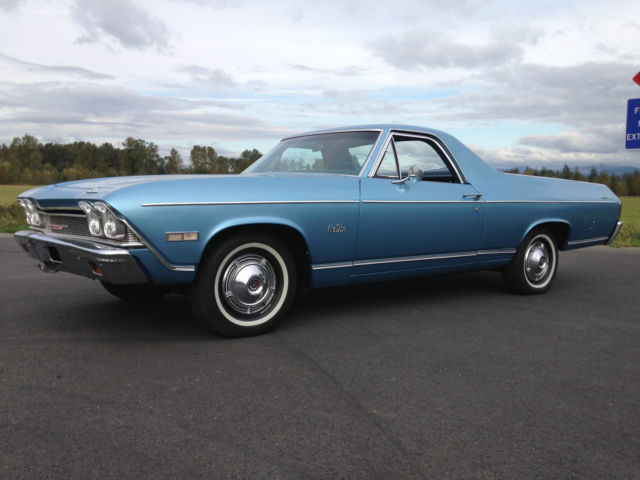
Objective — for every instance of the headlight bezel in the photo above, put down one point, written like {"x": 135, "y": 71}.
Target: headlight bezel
{"x": 31, "y": 211}
{"x": 112, "y": 228}
{"x": 102, "y": 221}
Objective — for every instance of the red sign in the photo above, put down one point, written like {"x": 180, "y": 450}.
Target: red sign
{"x": 637, "y": 78}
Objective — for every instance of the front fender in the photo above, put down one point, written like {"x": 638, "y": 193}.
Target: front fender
{"x": 252, "y": 220}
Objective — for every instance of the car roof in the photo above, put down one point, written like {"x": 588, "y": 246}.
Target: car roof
{"x": 372, "y": 126}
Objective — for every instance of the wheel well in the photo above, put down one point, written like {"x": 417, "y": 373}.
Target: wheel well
{"x": 560, "y": 231}
{"x": 291, "y": 237}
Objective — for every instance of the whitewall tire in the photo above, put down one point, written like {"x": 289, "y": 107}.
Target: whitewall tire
{"x": 534, "y": 265}
{"x": 244, "y": 285}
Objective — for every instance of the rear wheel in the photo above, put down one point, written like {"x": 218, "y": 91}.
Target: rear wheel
{"x": 244, "y": 286}
{"x": 535, "y": 264}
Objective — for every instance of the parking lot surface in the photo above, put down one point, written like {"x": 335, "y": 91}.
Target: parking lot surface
{"x": 440, "y": 377}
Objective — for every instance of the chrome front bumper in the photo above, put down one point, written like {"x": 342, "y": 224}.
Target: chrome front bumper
{"x": 81, "y": 257}
{"x": 615, "y": 233}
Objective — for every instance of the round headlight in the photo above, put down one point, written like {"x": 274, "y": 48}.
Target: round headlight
{"x": 113, "y": 228}
{"x": 94, "y": 225}
{"x": 31, "y": 212}
{"x": 93, "y": 219}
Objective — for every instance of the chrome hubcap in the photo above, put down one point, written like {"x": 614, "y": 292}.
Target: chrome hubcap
{"x": 536, "y": 261}
{"x": 249, "y": 284}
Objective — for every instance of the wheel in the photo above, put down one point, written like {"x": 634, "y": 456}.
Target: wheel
{"x": 133, "y": 292}
{"x": 534, "y": 266}
{"x": 244, "y": 286}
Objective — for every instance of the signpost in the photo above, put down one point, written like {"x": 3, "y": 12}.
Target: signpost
{"x": 633, "y": 123}
{"x": 633, "y": 120}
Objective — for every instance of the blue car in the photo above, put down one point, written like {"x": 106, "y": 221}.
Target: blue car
{"x": 325, "y": 208}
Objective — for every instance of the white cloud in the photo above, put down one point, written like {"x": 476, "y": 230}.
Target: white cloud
{"x": 9, "y": 5}
{"x": 122, "y": 20}
{"x": 54, "y": 69}
{"x": 247, "y": 72}
{"x": 602, "y": 141}
{"x": 427, "y": 48}
{"x": 214, "y": 78}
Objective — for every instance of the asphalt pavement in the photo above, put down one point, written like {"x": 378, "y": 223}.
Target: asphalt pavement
{"x": 441, "y": 377}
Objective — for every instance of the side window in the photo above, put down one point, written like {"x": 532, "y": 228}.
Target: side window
{"x": 360, "y": 153}
{"x": 299, "y": 160}
{"x": 404, "y": 152}
{"x": 388, "y": 167}
{"x": 422, "y": 153}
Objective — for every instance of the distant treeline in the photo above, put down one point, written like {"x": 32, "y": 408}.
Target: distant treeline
{"x": 621, "y": 185}
{"x": 27, "y": 161}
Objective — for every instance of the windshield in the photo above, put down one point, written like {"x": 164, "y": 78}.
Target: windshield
{"x": 342, "y": 152}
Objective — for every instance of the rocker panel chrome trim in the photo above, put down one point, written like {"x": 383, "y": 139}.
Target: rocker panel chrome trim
{"x": 498, "y": 251}
{"x": 588, "y": 240}
{"x": 418, "y": 258}
{"x": 328, "y": 266}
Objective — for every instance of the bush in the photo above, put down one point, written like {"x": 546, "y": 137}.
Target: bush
{"x": 12, "y": 218}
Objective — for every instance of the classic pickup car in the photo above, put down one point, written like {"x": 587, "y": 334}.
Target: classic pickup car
{"x": 325, "y": 208}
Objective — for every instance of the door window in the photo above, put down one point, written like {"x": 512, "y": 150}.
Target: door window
{"x": 405, "y": 152}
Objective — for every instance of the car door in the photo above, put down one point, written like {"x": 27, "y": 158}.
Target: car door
{"x": 417, "y": 223}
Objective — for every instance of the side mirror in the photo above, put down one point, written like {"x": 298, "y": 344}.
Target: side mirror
{"x": 415, "y": 174}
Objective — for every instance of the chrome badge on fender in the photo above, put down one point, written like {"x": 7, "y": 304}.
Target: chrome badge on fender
{"x": 337, "y": 228}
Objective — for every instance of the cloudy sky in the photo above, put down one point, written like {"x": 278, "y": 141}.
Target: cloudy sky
{"x": 521, "y": 82}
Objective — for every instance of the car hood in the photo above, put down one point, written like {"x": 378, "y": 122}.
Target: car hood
{"x": 124, "y": 192}
{"x": 115, "y": 183}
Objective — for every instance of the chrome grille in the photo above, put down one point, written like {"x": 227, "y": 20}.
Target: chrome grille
{"x": 77, "y": 226}
{"x": 69, "y": 225}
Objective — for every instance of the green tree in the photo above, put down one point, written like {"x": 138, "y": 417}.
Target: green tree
{"x": 173, "y": 162}
{"x": 106, "y": 160}
{"x": 203, "y": 159}
{"x": 140, "y": 157}
{"x": 634, "y": 183}
{"x": 603, "y": 178}
{"x": 24, "y": 158}
{"x": 247, "y": 157}
{"x": 5, "y": 170}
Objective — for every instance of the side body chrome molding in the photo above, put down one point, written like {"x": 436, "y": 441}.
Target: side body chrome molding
{"x": 417, "y": 258}
{"x": 248, "y": 202}
{"x": 301, "y": 202}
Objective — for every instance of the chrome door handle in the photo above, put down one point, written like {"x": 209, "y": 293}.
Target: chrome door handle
{"x": 475, "y": 196}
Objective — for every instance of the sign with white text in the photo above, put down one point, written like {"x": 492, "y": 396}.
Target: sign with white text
{"x": 633, "y": 124}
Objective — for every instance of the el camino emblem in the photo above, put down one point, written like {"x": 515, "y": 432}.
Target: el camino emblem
{"x": 337, "y": 228}
{"x": 57, "y": 228}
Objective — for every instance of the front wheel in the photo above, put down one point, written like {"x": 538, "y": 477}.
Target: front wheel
{"x": 244, "y": 286}
{"x": 534, "y": 266}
